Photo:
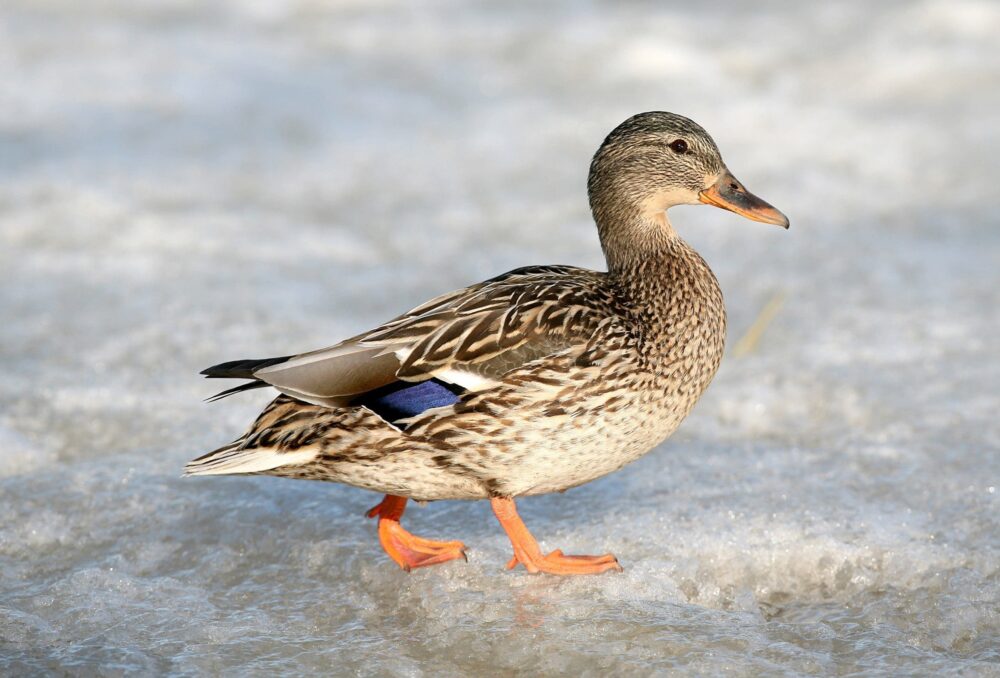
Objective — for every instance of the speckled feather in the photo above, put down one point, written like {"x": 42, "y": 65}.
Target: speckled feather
{"x": 570, "y": 373}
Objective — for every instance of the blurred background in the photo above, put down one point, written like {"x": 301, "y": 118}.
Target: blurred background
{"x": 183, "y": 183}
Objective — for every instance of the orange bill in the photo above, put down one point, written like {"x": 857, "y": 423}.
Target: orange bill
{"x": 729, "y": 194}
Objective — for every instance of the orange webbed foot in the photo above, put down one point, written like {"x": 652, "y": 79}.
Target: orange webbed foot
{"x": 527, "y": 553}
{"x": 408, "y": 550}
{"x": 558, "y": 563}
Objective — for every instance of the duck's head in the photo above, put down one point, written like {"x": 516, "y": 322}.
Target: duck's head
{"x": 656, "y": 160}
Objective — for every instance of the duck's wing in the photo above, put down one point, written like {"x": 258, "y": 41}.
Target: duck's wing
{"x": 469, "y": 337}
{"x": 496, "y": 326}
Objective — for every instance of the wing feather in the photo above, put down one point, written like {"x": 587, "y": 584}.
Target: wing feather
{"x": 469, "y": 337}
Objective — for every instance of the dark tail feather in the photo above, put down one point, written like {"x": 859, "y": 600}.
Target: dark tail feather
{"x": 249, "y": 386}
{"x": 241, "y": 369}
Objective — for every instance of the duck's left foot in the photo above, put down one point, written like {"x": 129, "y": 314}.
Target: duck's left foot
{"x": 408, "y": 550}
{"x": 527, "y": 553}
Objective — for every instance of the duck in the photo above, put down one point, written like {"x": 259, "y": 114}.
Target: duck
{"x": 532, "y": 382}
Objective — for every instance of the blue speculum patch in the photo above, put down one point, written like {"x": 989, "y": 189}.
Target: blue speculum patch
{"x": 403, "y": 399}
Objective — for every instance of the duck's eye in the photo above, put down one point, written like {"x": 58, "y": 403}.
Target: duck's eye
{"x": 679, "y": 146}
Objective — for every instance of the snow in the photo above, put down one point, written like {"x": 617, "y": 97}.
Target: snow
{"x": 184, "y": 183}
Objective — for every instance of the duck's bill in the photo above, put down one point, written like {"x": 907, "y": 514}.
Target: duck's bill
{"x": 729, "y": 194}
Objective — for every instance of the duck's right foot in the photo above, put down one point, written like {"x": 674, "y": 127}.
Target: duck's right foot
{"x": 527, "y": 553}
{"x": 558, "y": 563}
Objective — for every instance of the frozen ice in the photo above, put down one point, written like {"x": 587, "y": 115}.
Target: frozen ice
{"x": 183, "y": 183}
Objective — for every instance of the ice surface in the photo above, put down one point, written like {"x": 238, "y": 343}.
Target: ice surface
{"x": 183, "y": 183}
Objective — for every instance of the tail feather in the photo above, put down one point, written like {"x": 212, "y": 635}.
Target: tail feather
{"x": 248, "y": 386}
{"x": 241, "y": 369}
{"x": 233, "y": 458}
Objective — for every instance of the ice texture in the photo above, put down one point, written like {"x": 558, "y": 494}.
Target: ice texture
{"x": 183, "y": 183}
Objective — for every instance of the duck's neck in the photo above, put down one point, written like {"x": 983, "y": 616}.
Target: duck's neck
{"x": 666, "y": 285}
{"x": 656, "y": 271}
{"x": 632, "y": 223}
{"x": 634, "y": 239}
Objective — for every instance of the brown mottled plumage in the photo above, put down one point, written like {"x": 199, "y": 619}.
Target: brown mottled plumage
{"x": 564, "y": 374}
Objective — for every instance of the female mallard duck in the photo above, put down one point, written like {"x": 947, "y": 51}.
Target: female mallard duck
{"x": 535, "y": 381}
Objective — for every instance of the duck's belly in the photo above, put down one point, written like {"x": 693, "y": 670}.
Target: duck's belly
{"x": 530, "y": 451}
{"x": 555, "y": 453}
{"x": 586, "y": 431}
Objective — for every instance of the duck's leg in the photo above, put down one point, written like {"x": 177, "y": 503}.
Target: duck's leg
{"x": 527, "y": 553}
{"x": 408, "y": 550}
